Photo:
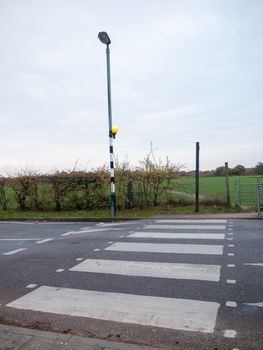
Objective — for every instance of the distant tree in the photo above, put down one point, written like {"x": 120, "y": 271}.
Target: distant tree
{"x": 220, "y": 171}
{"x": 206, "y": 173}
{"x": 238, "y": 170}
{"x": 259, "y": 168}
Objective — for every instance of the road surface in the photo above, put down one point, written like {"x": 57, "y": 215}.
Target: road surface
{"x": 179, "y": 284}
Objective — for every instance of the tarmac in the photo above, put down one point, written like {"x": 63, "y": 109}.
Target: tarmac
{"x": 18, "y": 338}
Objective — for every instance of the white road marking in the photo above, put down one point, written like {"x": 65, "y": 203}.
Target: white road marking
{"x": 119, "y": 224}
{"x": 14, "y": 251}
{"x": 121, "y": 236}
{"x": 230, "y": 265}
{"x": 80, "y": 259}
{"x": 255, "y": 304}
{"x": 231, "y": 281}
{"x": 19, "y": 239}
{"x": 193, "y": 221}
{"x": 186, "y": 227}
{"x": 230, "y": 239}
{"x": 231, "y": 245}
{"x": 110, "y": 242}
{"x": 60, "y": 270}
{"x": 45, "y": 240}
{"x": 96, "y": 250}
{"x": 181, "y": 314}
{"x": 33, "y": 285}
{"x": 178, "y": 235}
{"x": 254, "y": 264}
{"x": 84, "y": 231}
{"x": 230, "y": 333}
{"x": 89, "y": 231}
{"x": 230, "y": 254}
{"x": 230, "y": 233}
{"x": 167, "y": 248}
{"x": 231, "y": 304}
{"x": 151, "y": 269}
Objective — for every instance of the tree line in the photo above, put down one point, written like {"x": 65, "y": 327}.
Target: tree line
{"x": 238, "y": 170}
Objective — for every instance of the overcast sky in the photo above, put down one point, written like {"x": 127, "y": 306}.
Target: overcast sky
{"x": 182, "y": 71}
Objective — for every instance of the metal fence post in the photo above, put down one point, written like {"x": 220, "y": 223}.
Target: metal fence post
{"x": 235, "y": 192}
{"x": 258, "y": 196}
{"x": 227, "y": 185}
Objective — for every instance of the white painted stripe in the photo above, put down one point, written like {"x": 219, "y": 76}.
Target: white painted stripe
{"x": 19, "y": 239}
{"x": 178, "y": 235}
{"x": 255, "y": 304}
{"x": 15, "y": 251}
{"x": 89, "y": 231}
{"x": 120, "y": 223}
{"x": 60, "y": 270}
{"x": 231, "y": 281}
{"x": 186, "y": 227}
{"x": 254, "y": 264}
{"x": 32, "y": 285}
{"x": 231, "y": 304}
{"x": 230, "y": 333}
{"x": 151, "y": 269}
{"x": 193, "y": 221}
{"x": 167, "y": 248}
{"x": 181, "y": 314}
{"x": 45, "y": 240}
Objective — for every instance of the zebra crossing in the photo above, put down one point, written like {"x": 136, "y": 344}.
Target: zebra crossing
{"x": 162, "y": 237}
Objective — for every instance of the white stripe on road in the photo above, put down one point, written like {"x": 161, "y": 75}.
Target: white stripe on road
{"x": 45, "y": 240}
{"x": 167, "y": 248}
{"x": 150, "y": 269}
{"x": 178, "y": 235}
{"x": 255, "y": 304}
{"x": 88, "y": 231}
{"x": 15, "y": 251}
{"x": 19, "y": 239}
{"x": 186, "y": 227}
{"x": 121, "y": 223}
{"x": 181, "y": 314}
{"x": 254, "y": 264}
{"x": 190, "y": 221}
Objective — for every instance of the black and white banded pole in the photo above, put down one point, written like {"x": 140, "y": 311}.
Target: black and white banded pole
{"x": 105, "y": 39}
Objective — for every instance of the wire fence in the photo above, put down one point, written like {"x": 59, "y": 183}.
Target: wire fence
{"x": 248, "y": 192}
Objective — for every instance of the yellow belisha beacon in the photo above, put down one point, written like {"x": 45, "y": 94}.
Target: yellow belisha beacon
{"x": 114, "y": 130}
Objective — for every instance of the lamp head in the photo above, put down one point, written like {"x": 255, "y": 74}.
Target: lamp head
{"x": 114, "y": 131}
{"x": 104, "y": 38}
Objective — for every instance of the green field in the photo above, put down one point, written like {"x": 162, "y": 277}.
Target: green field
{"x": 214, "y": 186}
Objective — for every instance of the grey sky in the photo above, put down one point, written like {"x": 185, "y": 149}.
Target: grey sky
{"x": 182, "y": 71}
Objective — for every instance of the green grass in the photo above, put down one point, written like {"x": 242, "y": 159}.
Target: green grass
{"x": 100, "y": 214}
{"x": 133, "y": 213}
{"x": 214, "y": 186}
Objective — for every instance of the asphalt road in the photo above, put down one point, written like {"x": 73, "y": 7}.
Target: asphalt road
{"x": 174, "y": 284}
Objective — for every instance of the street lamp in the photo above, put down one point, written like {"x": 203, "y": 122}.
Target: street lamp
{"x": 105, "y": 39}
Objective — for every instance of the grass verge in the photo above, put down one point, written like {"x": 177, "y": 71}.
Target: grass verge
{"x": 131, "y": 213}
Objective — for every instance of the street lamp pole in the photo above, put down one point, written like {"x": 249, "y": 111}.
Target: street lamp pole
{"x": 105, "y": 39}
